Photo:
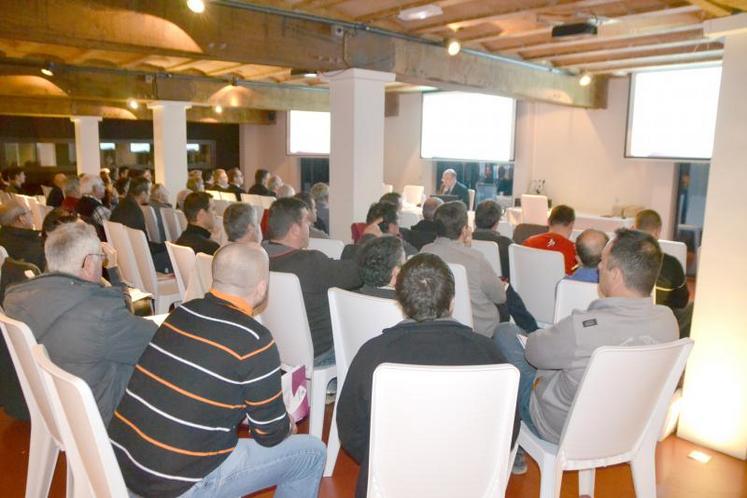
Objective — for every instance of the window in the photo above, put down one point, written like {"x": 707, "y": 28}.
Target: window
{"x": 467, "y": 126}
{"x": 308, "y": 133}
{"x": 672, "y": 113}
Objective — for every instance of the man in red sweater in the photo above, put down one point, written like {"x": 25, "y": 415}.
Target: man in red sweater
{"x": 557, "y": 238}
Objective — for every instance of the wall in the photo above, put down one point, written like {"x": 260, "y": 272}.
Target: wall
{"x": 264, "y": 146}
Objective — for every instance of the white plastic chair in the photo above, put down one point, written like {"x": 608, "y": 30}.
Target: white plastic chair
{"x": 221, "y": 204}
{"x": 331, "y": 247}
{"x": 676, "y": 249}
{"x": 181, "y": 218}
{"x": 46, "y": 441}
{"x": 285, "y": 317}
{"x": 506, "y": 229}
{"x": 151, "y": 223}
{"x": 182, "y": 261}
{"x": 253, "y": 199}
{"x": 616, "y": 417}
{"x": 228, "y": 196}
{"x": 462, "y": 300}
{"x": 534, "y": 209}
{"x": 414, "y": 455}
{"x": 266, "y": 201}
{"x": 408, "y": 219}
{"x": 356, "y": 318}
{"x": 534, "y": 275}
{"x": 128, "y": 267}
{"x": 170, "y": 224}
{"x": 46, "y": 190}
{"x": 573, "y": 295}
{"x": 163, "y": 286}
{"x": 412, "y": 194}
{"x": 215, "y": 194}
{"x": 89, "y": 452}
{"x": 489, "y": 249}
{"x": 471, "y": 196}
{"x": 204, "y": 276}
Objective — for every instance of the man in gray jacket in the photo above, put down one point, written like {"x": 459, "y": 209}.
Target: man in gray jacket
{"x": 555, "y": 358}
{"x": 86, "y": 328}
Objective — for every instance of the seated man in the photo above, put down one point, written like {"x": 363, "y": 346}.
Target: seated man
{"x": 16, "y": 178}
{"x": 381, "y": 219}
{"x": 89, "y": 207}
{"x": 555, "y": 358}
{"x": 452, "y": 245}
{"x": 320, "y": 192}
{"x": 487, "y": 216}
{"x": 425, "y": 290}
{"x": 240, "y": 223}
{"x": 85, "y": 327}
{"x": 261, "y": 179}
{"x": 589, "y": 247}
{"x": 289, "y": 228}
{"x": 379, "y": 261}
{"x": 220, "y": 180}
{"x": 209, "y": 367}
{"x": 54, "y": 199}
{"x": 236, "y": 182}
{"x": 557, "y": 238}
{"x": 71, "y": 191}
{"x": 200, "y": 212}
{"x": 18, "y": 236}
{"x": 671, "y": 284}
{"x": 450, "y": 186}
{"x": 424, "y": 231}
{"x": 314, "y": 232}
{"x": 395, "y": 199}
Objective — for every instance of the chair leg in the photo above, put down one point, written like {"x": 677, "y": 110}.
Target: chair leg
{"x": 644, "y": 473}
{"x": 43, "y": 453}
{"x": 586, "y": 482}
{"x": 318, "y": 397}
{"x": 551, "y": 477}
{"x": 69, "y": 485}
{"x": 333, "y": 446}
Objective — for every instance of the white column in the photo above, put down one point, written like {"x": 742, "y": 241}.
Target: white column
{"x": 170, "y": 145}
{"x": 356, "y": 166}
{"x": 714, "y": 410}
{"x": 88, "y": 156}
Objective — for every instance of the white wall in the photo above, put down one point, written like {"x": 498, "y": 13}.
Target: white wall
{"x": 264, "y": 146}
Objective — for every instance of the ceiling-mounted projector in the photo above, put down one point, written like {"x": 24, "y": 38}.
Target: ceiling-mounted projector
{"x": 573, "y": 29}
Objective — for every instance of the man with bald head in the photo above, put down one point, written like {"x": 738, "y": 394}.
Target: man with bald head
{"x": 589, "y": 247}
{"x": 209, "y": 367}
{"x": 424, "y": 231}
{"x": 56, "y": 196}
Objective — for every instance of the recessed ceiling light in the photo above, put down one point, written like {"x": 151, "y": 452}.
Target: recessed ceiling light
{"x": 420, "y": 13}
{"x": 133, "y": 104}
{"x": 47, "y": 71}
{"x": 453, "y": 47}
{"x": 699, "y": 456}
{"x": 218, "y": 109}
{"x": 585, "y": 79}
{"x": 310, "y": 75}
{"x": 197, "y": 6}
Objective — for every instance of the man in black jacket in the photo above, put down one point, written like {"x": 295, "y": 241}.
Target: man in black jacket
{"x": 236, "y": 182}
{"x": 450, "y": 186}
{"x": 425, "y": 231}
{"x": 425, "y": 290}
{"x": 200, "y": 213}
{"x": 261, "y": 179}
{"x": 56, "y": 196}
{"x": 18, "y": 236}
{"x": 487, "y": 216}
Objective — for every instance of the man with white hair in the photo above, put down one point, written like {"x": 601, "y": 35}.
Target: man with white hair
{"x": 209, "y": 367}
{"x": 86, "y": 328}
{"x": 71, "y": 190}
{"x": 450, "y": 186}
{"x": 17, "y": 234}
{"x": 89, "y": 207}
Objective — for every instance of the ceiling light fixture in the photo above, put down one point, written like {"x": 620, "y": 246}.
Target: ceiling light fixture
{"x": 699, "y": 456}
{"x": 310, "y": 75}
{"x": 420, "y": 13}
{"x": 218, "y": 109}
{"x": 196, "y": 6}
{"x": 585, "y": 79}
{"x": 47, "y": 70}
{"x": 133, "y": 104}
{"x": 453, "y": 47}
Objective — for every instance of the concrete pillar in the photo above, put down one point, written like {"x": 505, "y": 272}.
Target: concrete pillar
{"x": 170, "y": 145}
{"x": 714, "y": 410}
{"x": 87, "y": 154}
{"x": 356, "y": 165}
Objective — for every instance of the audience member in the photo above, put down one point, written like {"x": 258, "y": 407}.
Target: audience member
{"x": 555, "y": 358}
{"x": 425, "y": 290}
{"x": 71, "y": 189}
{"x": 589, "y": 246}
{"x": 381, "y": 219}
{"x": 261, "y": 179}
{"x": 16, "y": 178}
{"x": 17, "y": 234}
{"x": 671, "y": 284}
{"x": 86, "y": 327}
{"x": 424, "y": 231}
{"x": 450, "y": 186}
{"x": 274, "y": 183}
{"x": 289, "y": 228}
{"x": 54, "y": 199}
{"x": 90, "y": 207}
{"x": 110, "y": 198}
{"x": 314, "y": 232}
{"x": 159, "y": 198}
{"x": 487, "y": 216}
{"x": 452, "y": 245}
{"x": 200, "y": 212}
{"x": 379, "y": 260}
{"x": 557, "y": 237}
{"x": 320, "y": 193}
{"x": 194, "y": 184}
{"x": 209, "y": 367}
{"x": 284, "y": 190}
{"x": 240, "y": 223}
{"x": 220, "y": 180}
{"x": 236, "y": 182}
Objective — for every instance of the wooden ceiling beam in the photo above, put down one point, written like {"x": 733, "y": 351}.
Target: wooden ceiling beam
{"x": 232, "y": 33}
{"x": 734, "y": 4}
{"x": 583, "y": 59}
{"x": 658, "y": 60}
{"x": 710, "y": 7}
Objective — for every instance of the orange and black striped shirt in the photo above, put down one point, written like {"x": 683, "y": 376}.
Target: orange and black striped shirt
{"x": 208, "y": 367}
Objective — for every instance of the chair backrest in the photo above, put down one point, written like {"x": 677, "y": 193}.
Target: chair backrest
{"x": 406, "y": 460}
{"x": 285, "y": 316}
{"x": 204, "y": 266}
{"x": 489, "y": 249}
{"x": 506, "y": 229}
{"x": 170, "y": 224}
{"x": 222, "y": 204}
{"x": 622, "y": 399}
{"x": 676, "y": 249}
{"x": 413, "y": 194}
{"x": 462, "y": 300}
{"x": 182, "y": 260}
{"x": 46, "y": 190}
{"x": 228, "y": 196}
{"x": 388, "y": 189}
{"x": 534, "y": 275}
{"x": 266, "y": 201}
{"x": 88, "y": 450}
{"x": 20, "y": 343}
{"x": 471, "y": 196}
{"x": 573, "y": 295}
{"x": 151, "y": 223}
{"x": 356, "y": 318}
{"x": 181, "y": 218}
{"x": 523, "y": 231}
{"x": 215, "y": 194}
{"x": 36, "y": 212}
{"x": 116, "y": 235}
{"x": 408, "y": 219}
{"x": 534, "y": 209}
{"x": 331, "y": 247}
{"x": 3, "y": 255}
{"x": 253, "y": 199}
{"x": 144, "y": 260}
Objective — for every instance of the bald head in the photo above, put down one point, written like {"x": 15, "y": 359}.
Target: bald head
{"x": 589, "y": 247}
{"x": 241, "y": 269}
{"x": 429, "y": 207}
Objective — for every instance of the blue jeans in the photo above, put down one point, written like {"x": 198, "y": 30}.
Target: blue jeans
{"x": 295, "y": 466}
{"x": 513, "y": 351}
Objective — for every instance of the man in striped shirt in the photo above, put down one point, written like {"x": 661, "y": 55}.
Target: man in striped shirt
{"x": 210, "y": 366}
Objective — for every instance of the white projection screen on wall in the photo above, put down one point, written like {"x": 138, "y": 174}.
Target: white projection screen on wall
{"x": 468, "y": 126}
{"x": 672, "y": 113}
{"x": 308, "y": 133}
